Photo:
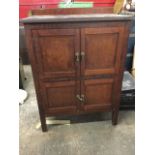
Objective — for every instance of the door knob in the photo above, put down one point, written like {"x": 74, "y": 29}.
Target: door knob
{"x": 82, "y": 55}
{"x": 77, "y": 56}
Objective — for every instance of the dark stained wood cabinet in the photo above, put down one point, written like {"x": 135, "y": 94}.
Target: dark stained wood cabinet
{"x": 77, "y": 62}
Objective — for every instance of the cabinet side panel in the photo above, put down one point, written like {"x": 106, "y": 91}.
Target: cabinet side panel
{"x": 30, "y": 46}
{"x": 118, "y": 79}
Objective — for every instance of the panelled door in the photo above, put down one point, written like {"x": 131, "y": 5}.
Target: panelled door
{"x": 56, "y": 52}
{"x": 101, "y": 50}
{"x": 77, "y": 67}
{"x": 101, "y": 54}
{"x": 60, "y": 96}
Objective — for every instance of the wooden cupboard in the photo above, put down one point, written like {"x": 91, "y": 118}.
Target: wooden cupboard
{"x": 77, "y": 62}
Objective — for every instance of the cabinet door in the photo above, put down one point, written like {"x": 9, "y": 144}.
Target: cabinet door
{"x": 101, "y": 49}
{"x": 97, "y": 94}
{"x": 59, "y": 97}
{"x": 55, "y": 51}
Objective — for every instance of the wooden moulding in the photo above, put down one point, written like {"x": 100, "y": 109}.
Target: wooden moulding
{"x": 67, "y": 11}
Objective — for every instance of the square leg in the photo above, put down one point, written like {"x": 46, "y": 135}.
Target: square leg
{"x": 115, "y": 117}
{"x": 43, "y": 123}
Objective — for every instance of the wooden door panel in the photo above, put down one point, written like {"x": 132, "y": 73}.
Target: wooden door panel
{"x": 57, "y": 58}
{"x": 102, "y": 50}
{"x": 55, "y": 50}
{"x": 100, "y": 55}
{"x": 60, "y": 96}
{"x": 97, "y": 93}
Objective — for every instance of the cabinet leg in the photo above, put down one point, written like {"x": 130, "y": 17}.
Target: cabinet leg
{"x": 115, "y": 117}
{"x": 43, "y": 124}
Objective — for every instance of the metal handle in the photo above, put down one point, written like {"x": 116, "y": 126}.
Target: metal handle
{"x": 77, "y": 56}
{"x": 82, "y": 55}
{"x": 83, "y": 97}
{"x": 80, "y": 98}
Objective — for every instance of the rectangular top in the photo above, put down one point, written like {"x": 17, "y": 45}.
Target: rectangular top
{"x": 76, "y": 18}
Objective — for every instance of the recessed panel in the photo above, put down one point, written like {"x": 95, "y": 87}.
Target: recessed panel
{"x": 99, "y": 94}
{"x": 100, "y": 51}
{"x": 61, "y": 95}
{"x": 57, "y": 53}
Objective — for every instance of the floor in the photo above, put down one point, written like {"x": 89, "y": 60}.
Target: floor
{"x": 86, "y": 135}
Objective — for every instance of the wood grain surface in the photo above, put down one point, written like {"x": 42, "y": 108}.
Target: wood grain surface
{"x": 87, "y": 54}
